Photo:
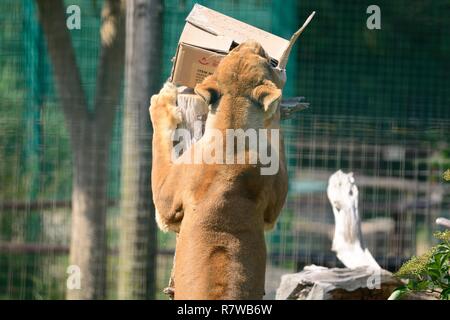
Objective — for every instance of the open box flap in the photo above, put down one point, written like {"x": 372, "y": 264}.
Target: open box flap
{"x": 219, "y": 25}
{"x": 198, "y": 37}
{"x": 284, "y": 58}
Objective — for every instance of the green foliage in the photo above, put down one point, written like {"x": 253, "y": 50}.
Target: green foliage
{"x": 446, "y": 175}
{"x": 428, "y": 272}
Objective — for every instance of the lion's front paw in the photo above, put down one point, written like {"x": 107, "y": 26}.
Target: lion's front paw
{"x": 169, "y": 92}
{"x": 163, "y": 109}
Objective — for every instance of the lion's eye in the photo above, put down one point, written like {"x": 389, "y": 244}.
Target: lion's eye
{"x": 215, "y": 96}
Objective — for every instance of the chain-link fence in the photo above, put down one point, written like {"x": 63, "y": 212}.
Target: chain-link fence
{"x": 379, "y": 107}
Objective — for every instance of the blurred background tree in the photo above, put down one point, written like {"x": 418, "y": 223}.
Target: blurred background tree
{"x": 138, "y": 243}
{"x": 371, "y": 92}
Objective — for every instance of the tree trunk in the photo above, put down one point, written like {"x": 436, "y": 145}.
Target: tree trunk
{"x": 90, "y": 135}
{"x": 142, "y": 76}
{"x": 89, "y": 202}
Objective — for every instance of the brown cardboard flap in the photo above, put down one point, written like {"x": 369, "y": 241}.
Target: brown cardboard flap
{"x": 198, "y": 37}
{"x": 220, "y": 25}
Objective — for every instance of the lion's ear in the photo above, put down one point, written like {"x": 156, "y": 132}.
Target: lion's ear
{"x": 208, "y": 89}
{"x": 268, "y": 95}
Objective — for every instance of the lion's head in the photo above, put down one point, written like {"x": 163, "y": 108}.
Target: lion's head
{"x": 244, "y": 88}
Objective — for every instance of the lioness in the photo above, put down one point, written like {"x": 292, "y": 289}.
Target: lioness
{"x": 220, "y": 211}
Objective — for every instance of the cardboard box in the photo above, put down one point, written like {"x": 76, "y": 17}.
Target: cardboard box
{"x": 193, "y": 64}
{"x": 209, "y": 35}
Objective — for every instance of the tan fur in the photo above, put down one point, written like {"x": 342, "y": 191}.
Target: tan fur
{"x": 220, "y": 211}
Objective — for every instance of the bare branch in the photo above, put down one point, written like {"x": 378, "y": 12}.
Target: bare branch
{"x": 289, "y": 106}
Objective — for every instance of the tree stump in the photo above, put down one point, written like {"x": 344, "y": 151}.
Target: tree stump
{"x": 348, "y": 241}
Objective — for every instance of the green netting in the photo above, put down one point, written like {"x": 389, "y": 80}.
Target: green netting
{"x": 379, "y": 106}
{"x": 271, "y": 16}
{"x": 401, "y": 70}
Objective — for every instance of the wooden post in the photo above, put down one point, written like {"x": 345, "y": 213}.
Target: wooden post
{"x": 137, "y": 253}
{"x": 90, "y": 134}
{"x": 443, "y": 222}
{"x": 347, "y": 242}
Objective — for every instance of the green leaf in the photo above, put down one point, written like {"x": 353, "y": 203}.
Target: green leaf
{"x": 445, "y": 294}
{"x": 430, "y": 271}
{"x": 411, "y": 284}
